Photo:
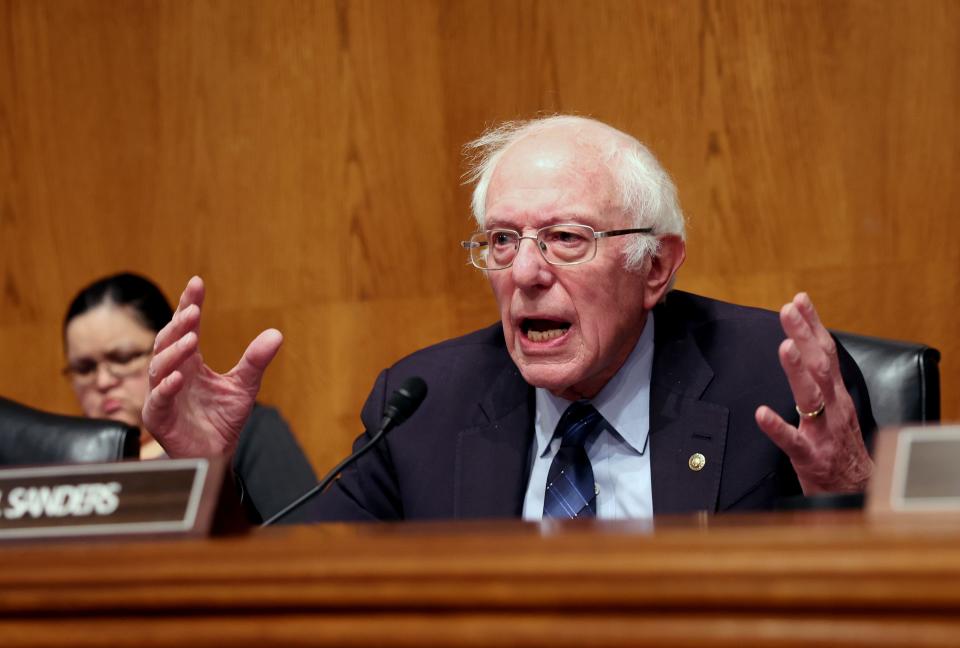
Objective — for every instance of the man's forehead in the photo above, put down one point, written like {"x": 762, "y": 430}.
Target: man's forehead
{"x": 552, "y": 150}
{"x": 550, "y": 171}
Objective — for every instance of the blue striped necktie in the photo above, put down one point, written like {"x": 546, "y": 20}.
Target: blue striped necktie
{"x": 570, "y": 487}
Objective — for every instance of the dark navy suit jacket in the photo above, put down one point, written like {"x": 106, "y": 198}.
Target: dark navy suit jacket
{"x": 465, "y": 453}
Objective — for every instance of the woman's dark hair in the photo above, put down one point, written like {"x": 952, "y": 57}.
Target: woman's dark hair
{"x": 126, "y": 289}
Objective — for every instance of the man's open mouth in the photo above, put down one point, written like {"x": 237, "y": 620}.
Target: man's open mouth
{"x": 542, "y": 330}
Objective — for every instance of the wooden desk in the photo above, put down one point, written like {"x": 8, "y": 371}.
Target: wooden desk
{"x": 823, "y": 578}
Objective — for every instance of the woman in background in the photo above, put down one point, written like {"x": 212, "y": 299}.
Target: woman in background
{"x": 108, "y": 334}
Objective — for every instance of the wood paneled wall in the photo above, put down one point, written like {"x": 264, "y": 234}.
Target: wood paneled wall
{"x": 304, "y": 158}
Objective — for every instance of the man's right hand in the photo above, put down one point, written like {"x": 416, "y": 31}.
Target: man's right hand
{"x": 190, "y": 409}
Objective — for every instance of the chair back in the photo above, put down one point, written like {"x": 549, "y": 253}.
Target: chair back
{"x": 903, "y": 378}
{"x": 29, "y": 436}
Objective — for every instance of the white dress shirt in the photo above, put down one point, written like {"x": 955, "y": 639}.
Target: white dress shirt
{"x": 619, "y": 453}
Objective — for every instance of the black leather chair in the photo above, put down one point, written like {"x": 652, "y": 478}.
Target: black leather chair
{"x": 29, "y": 436}
{"x": 903, "y": 378}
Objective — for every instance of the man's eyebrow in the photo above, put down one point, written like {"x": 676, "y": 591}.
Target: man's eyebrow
{"x": 580, "y": 218}
{"x": 574, "y": 216}
{"x": 496, "y": 223}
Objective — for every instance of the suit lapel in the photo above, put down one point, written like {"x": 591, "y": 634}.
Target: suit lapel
{"x": 492, "y": 464}
{"x": 492, "y": 458}
{"x": 682, "y": 426}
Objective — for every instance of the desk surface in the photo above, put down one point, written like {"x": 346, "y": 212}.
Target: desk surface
{"x": 779, "y": 579}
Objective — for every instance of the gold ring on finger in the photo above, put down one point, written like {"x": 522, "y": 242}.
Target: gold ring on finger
{"x": 811, "y": 415}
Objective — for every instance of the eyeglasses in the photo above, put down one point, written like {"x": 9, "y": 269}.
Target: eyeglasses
{"x": 119, "y": 364}
{"x": 565, "y": 244}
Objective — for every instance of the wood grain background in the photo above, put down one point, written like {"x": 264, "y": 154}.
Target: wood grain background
{"x": 304, "y": 158}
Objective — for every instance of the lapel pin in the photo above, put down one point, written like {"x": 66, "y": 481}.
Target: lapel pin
{"x": 696, "y": 462}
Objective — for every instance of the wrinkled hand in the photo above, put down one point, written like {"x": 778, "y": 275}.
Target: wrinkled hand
{"x": 827, "y": 451}
{"x": 192, "y": 410}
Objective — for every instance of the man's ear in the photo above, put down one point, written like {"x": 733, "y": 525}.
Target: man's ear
{"x": 673, "y": 250}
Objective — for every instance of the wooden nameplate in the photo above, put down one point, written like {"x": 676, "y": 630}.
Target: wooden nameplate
{"x": 172, "y": 497}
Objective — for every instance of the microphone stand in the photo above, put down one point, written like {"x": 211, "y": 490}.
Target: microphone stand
{"x": 402, "y": 403}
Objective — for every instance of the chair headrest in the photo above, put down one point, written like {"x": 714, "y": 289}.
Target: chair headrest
{"x": 903, "y": 378}
{"x": 30, "y": 436}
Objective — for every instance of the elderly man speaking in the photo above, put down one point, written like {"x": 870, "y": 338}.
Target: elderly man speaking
{"x": 601, "y": 391}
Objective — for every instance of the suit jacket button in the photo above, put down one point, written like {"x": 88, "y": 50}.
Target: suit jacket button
{"x": 696, "y": 462}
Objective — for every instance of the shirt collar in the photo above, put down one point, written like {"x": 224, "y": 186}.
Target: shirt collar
{"x": 624, "y": 401}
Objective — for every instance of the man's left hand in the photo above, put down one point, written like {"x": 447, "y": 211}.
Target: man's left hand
{"x": 827, "y": 449}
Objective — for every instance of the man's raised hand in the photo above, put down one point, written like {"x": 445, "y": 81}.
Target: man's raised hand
{"x": 826, "y": 449}
{"x": 190, "y": 409}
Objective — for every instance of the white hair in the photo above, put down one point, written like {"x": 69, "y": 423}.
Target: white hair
{"x": 646, "y": 192}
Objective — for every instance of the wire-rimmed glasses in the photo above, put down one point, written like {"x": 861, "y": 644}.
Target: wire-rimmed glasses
{"x": 119, "y": 364}
{"x": 562, "y": 244}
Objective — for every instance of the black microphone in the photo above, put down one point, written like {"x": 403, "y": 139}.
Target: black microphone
{"x": 403, "y": 402}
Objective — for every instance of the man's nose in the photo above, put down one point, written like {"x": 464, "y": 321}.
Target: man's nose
{"x": 529, "y": 267}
